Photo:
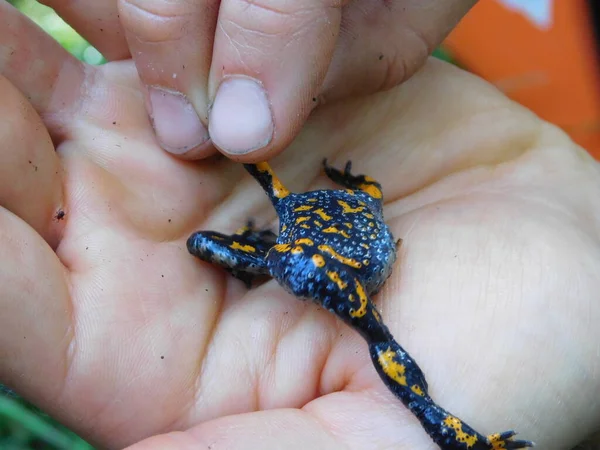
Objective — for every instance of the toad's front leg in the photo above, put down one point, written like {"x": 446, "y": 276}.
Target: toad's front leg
{"x": 242, "y": 254}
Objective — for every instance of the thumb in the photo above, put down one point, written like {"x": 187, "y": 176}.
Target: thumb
{"x": 269, "y": 62}
{"x": 171, "y": 44}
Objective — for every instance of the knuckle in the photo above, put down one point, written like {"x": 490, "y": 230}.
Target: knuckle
{"x": 394, "y": 71}
{"x": 157, "y": 20}
{"x": 271, "y": 18}
{"x": 398, "y": 65}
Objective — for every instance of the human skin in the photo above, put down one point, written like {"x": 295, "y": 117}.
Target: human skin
{"x": 113, "y": 328}
{"x": 260, "y": 65}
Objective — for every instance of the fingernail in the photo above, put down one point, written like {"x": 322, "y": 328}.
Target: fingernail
{"x": 176, "y": 123}
{"x": 240, "y": 119}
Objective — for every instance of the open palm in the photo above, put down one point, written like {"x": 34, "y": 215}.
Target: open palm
{"x": 110, "y": 325}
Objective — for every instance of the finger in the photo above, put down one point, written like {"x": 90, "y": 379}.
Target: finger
{"x": 30, "y": 172}
{"x": 270, "y": 58}
{"x": 275, "y": 429}
{"x": 34, "y": 324}
{"x": 171, "y": 43}
{"x": 48, "y": 76}
{"x": 380, "y": 47}
{"x": 97, "y": 22}
{"x": 341, "y": 420}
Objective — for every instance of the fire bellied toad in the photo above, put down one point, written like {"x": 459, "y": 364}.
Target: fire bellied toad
{"x": 334, "y": 248}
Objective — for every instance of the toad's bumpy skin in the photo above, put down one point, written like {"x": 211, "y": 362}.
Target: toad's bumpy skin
{"x": 335, "y": 249}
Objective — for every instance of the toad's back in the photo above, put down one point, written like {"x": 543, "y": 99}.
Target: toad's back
{"x": 345, "y": 226}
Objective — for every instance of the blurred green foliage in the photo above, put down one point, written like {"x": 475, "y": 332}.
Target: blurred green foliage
{"x": 25, "y": 427}
{"x": 50, "y": 22}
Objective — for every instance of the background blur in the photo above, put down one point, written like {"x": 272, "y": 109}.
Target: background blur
{"x": 544, "y": 54}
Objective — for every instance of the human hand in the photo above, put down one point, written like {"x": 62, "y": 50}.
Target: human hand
{"x": 113, "y": 328}
{"x": 280, "y": 59}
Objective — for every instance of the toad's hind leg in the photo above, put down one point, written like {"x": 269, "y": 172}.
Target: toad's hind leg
{"x": 401, "y": 375}
{"x": 340, "y": 291}
{"x": 404, "y": 378}
{"x": 242, "y": 254}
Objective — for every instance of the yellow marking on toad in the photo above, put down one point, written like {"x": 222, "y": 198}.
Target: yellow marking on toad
{"x": 242, "y": 230}
{"x": 335, "y": 277}
{"x": 371, "y": 189}
{"x": 456, "y": 424}
{"x": 347, "y": 209}
{"x": 282, "y": 248}
{"x": 391, "y": 367}
{"x": 362, "y": 297}
{"x": 245, "y": 248}
{"x": 322, "y": 214}
{"x": 417, "y": 390}
{"x": 341, "y": 258}
{"x": 318, "y": 260}
{"x": 376, "y": 315}
{"x": 279, "y": 190}
{"x": 337, "y": 231}
{"x": 303, "y": 208}
{"x": 305, "y": 241}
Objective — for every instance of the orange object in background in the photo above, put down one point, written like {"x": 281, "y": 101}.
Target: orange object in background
{"x": 544, "y": 54}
